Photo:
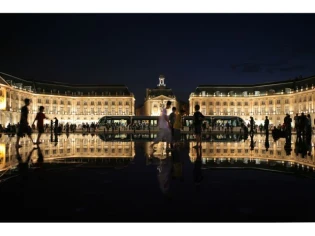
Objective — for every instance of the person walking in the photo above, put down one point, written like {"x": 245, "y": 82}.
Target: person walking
{"x": 40, "y": 116}
{"x": 24, "y": 127}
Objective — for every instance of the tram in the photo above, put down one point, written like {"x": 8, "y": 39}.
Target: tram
{"x": 141, "y": 122}
{"x": 215, "y": 122}
{"x": 144, "y": 122}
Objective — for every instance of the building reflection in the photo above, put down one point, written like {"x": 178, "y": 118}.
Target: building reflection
{"x": 257, "y": 150}
{"x": 74, "y": 148}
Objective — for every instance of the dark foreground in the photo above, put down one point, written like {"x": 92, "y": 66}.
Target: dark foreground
{"x": 135, "y": 191}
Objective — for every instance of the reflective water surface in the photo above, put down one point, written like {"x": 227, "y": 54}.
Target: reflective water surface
{"x": 119, "y": 177}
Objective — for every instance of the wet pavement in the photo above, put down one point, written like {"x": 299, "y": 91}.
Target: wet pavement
{"x": 119, "y": 178}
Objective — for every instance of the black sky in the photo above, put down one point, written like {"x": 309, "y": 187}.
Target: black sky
{"x": 134, "y": 49}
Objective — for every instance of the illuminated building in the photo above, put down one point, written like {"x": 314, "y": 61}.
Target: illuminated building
{"x": 274, "y": 100}
{"x": 157, "y": 98}
{"x": 68, "y": 102}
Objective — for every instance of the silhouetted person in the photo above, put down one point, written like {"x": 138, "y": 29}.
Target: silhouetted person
{"x": 296, "y": 122}
{"x": 24, "y": 127}
{"x": 287, "y": 123}
{"x": 302, "y": 125}
{"x": 252, "y": 124}
{"x": 51, "y": 125}
{"x": 266, "y": 125}
{"x": 198, "y": 118}
{"x": 40, "y": 116}
{"x": 56, "y": 125}
{"x": 171, "y": 119}
{"x": 308, "y": 129}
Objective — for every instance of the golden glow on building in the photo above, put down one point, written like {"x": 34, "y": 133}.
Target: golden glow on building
{"x": 2, "y": 155}
{"x": 274, "y": 100}
{"x": 75, "y": 104}
{"x": 157, "y": 98}
{"x": 2, "y": 98}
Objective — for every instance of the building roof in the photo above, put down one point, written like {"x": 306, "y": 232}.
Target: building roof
{"x": 53, "y": 87}
{"x": 276, "y": 87}
{"x": 160, "y": 91}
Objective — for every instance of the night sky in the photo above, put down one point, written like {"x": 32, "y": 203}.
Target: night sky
{"x": 134, "y": 49}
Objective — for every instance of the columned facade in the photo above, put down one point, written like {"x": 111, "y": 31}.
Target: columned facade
{"x": 274, "y": 100}
{"x": 69, "y": 103}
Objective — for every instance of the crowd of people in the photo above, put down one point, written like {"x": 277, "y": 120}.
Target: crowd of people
{"x": 170, "y": 127}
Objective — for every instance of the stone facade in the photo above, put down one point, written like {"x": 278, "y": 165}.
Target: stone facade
{"x": 68, "y": 102}
{"x": 157, "y": 98}
{"x": 274, "y": 100}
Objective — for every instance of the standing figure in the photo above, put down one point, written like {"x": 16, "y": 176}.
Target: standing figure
{"x": 266, "y": 125}
{"x": 287, "y": 123}
{"x": 164, "y": 128}
{"x": 56, "y": 125}
{"x": 177, "y": 127}
{"x": 40, "y": 116}
{"x": 172, "y": 118}
{"x": 198, "y": 118}
{"x": 252, "y": 123}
